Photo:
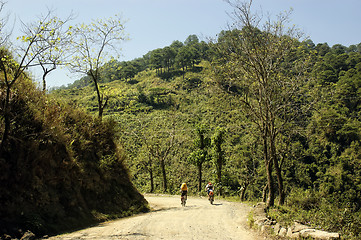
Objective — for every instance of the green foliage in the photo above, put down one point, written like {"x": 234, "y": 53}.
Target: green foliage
{"x": 318, "y": 149}
{"x": 59, "y": 165}
{"x": 166, "y": 61}
{"x": 265, "y": 97}
{"x": 314, "y": 210}
{"x": 201, "y": 144}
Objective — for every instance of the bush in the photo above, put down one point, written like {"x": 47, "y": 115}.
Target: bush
{"x": 310, "y": 208}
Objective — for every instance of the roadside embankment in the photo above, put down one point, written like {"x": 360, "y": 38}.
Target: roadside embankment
{"x": 263, "y": 223}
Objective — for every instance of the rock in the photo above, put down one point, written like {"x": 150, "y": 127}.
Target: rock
{"x": 292, "y": 234}
{"x": 282, "y": 232}
{"x": 260, "y": 221}
{"x": 269, "y": 222}
{"x": 298, "y": 230}
{"x": 318, "y": 234}
{"x": 28, "y": 236}
{"x": 276, "y": 228}
{"x": 266, "y": 228}
{"x": 6, "y": 237}
{"x": 297, "y": 227}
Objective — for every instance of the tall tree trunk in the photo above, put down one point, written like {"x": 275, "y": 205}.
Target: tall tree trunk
{"x": 200, "y": 177}
{"x": 219, "y": 175}
{"x": 6, "y": 112}
{"x": 6, "y": 109}
{"x": 268, "y": 165}
{"x": 271, "y": 195}
{"x": 101, "y": 105}
{"x": 280, "y": 183}
{"x": 162, "y": 165}
{"x": 150, "y": 171}
{"x": 243, "y": 191}
{"x": 264, "y": 193}
{"x": 44, "y": 82}
{"x": 45, "y": 73}
{"x": 151, "y": 180}
{"x": 278, "y": 170}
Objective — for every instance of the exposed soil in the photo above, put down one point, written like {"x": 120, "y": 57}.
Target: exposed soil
{"x": 169, "y": 220}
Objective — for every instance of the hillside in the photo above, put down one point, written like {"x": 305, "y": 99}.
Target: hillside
{"x": 260, "y": 111}
{"x": 163, "y": 112}
{"x": 61, "y": 168}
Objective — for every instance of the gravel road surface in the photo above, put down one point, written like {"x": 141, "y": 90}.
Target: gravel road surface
{"x": 169, "y": 220}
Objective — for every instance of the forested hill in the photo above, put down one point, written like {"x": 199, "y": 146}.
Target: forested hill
{"x": 61, "y": 168}
{"x": 187, "y": 113}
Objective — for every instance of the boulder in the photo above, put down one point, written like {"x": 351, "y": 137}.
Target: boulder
{"x": 292, "y": 234}
{"x": 296, "y": 231}
{"x": 282, "y": 232}
{"x": 276, "y": 228}
{"x": 318, "y": 234}
{"x": 28, "y": 236}
{"x": 297, "y": 227}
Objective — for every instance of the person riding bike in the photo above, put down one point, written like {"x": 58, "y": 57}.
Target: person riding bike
{"x": 209, "y": 187}
{"x": 184, "y": 190}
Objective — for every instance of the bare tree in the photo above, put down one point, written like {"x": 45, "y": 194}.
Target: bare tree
{"x": 263, "y": 62}
{"x": 57, "y": 42}
{"x": 36, "y": 43}
{"x": 92, "y": 47}
{"x": 4, "y": 35}
{"x": 154, "y": 142}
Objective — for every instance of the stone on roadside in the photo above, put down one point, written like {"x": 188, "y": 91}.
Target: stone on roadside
{"x": 318, "y": 234}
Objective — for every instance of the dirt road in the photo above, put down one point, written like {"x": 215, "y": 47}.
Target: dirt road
{"x": 198, "y": 220}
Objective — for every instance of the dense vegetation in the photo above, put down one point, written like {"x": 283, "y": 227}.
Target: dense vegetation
{"x": 259, "y": 111}
{"x": 169, "y": 118}
{"x": 60, "y": 167}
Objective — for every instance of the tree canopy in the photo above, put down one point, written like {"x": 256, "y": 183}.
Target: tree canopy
{"x": 260, "y": 111}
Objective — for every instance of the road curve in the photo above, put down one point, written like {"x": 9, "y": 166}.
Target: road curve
{"x": 169, "y": 220}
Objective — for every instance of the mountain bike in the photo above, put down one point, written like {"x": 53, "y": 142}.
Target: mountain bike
{"x": 183, "y": 200}
{"x": 211, "y": 196}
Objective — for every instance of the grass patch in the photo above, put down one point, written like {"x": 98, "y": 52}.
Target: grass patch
{"x": 250, "y": 219}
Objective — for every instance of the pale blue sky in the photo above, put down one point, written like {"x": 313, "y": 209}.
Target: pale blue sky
{"x": 157, "y": 23}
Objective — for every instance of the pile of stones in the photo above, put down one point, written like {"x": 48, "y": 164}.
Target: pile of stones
{"x": 296, "y": 231}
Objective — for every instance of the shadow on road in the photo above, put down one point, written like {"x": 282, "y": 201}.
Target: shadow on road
{"x": 217, "y": 204}
{"x": 163, "y": 209}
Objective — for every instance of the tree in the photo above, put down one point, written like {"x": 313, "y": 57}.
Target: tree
{"x": 157, "y": 135}
{"x": 322, "y": 49}
{"x": 169, "y": 54}
{"x": 265, "y": 65}
{"x": 156, "y": 58}
{"x": 37, "y": 43}
{"x": 92, "y": 46}
{"x": 56, "y": 42}
{"x": 184, "y": 57}
{"x": 4, "y": 35}
{"x": 128, "y": 70}
{"x": 193, "y": 45}
{"x": 218, "y": 153}
{"x": 176, "y": 45}
{"x": 200, "y": 154}
{"x": 191, "y": 40}
{"x": 161, "y": 140}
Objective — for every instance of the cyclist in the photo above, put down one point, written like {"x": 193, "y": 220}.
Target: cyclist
{"x": 184, "y": 190}
{"x": 209, "y": 187}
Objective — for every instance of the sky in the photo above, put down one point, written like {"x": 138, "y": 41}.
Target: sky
{"x": 152, "y": 24}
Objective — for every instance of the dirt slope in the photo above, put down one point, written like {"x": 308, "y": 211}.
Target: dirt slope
{"x": 198, "y": 220}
